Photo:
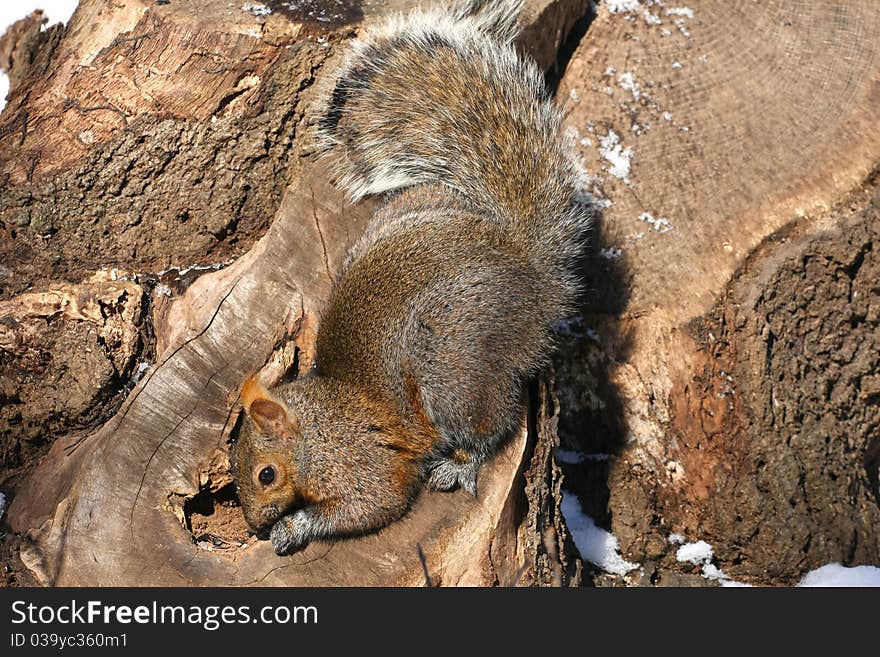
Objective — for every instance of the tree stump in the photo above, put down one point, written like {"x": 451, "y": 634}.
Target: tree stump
{"x": 167, "y": 231}
{"x": 733, "y": 372}
{"x": 163, "y": 213}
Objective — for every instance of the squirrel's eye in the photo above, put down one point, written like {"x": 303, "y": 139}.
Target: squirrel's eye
{"x": 267, "y": 475}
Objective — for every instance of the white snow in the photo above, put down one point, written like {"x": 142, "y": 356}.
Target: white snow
{"x": 679, "y": 23}
{"x": 700, "y": 554}
{"x": 163, "y": 290}
{"x": 651, "y": 19}
{"x": 687, "y": 12}
{"x": 667, "y": 116}
{"x": 695, "y": 553}
{"x": 611, "y": 253}
{"x": 573, "y": 327}
{"x": 2, "y": 505}
{"x": 634, "y": 6}
{"x": 57, "y": 11}
{"x": 628, "y": 82}
{"x": 256, "y": 8}
{"x": 573, "y": 456}
{"x": 711, "y": 571}
{"x": 570, "y": 456}
{"x": 676, "y": 64}
{"x": 142, "y": 367}
{"x": 183, "y": 271}
{"x": 616, "y": 155}
{"x": 622, "y": 6}
{"x": 595, "y": 544}
{"x": 659, "y": 224}
{"x": 835, "y": 574}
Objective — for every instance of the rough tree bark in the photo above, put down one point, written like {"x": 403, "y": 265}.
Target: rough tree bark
{"x": 733, "y": 375}
{"x": 146, "y": 136}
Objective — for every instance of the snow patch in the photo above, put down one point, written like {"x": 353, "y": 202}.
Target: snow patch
{"x": 142, "y": 368}
{"x": 595, "y": 544}
{"x": 183, "y": 271}
{"x": 611, "y": 253}
{"x": 627, "y": 81}
{"x": 622, "y": 6}
{"x": 651, "y": 19}
{"x": 257, "y": 9}
{"x": 679, "y": 23}
{"x": 569, "y": 456}
{"x": 575, "y": 327}
{"x": 574, "y": 457}
{"x": 659, "y": 224}
{"x": 695, "y": 553}
{"x": 617, "y": 156}
{"x": 834, "y": 574}
{"x": 687, "y": 12}
{"x": 700, "y": 554}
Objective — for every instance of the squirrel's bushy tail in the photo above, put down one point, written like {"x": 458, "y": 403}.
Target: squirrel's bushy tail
{"x": 441, "y": 97}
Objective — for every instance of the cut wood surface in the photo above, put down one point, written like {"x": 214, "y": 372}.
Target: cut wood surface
{"x": 137, "y": 501}
{"x": 736, "y": 317}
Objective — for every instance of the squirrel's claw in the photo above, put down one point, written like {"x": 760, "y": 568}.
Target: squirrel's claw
{"x": 470, "y": 485}
{"x": 448, "y": 474}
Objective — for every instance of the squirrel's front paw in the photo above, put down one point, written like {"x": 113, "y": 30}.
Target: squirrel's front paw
{"x": 449, "y": 474}
{"x": 289, "y": 533}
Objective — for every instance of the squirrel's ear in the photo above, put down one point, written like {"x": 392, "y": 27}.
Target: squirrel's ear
{"x": 251, "y": 391}
{"x": 268, "y": 413}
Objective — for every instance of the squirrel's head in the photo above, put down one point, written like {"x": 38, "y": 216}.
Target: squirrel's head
{"x": 262, "y": 463}
{"x": 349, "y": 442}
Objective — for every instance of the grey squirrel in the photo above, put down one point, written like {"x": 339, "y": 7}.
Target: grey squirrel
{"x": 444, "y": 308}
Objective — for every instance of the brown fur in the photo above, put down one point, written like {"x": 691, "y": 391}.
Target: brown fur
{"x": 444, "y": 308}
